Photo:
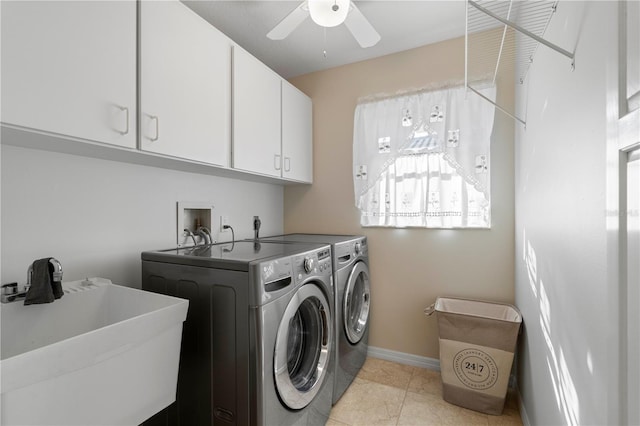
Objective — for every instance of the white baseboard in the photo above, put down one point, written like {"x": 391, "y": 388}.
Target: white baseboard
{"x": 417, "y": 361}
{"x": 523, "y": 411}
{"x": 404, "y": 358}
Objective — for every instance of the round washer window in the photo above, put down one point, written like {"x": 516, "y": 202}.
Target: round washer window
{"x": 356, "y": 303}
{"x": 302, "y": 348}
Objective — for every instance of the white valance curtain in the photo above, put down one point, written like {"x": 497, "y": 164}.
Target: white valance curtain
{"x": 423, "y": 159}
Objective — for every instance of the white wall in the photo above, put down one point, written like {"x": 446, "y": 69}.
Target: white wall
{"x": 561, "y": 239}
{"x": 96, "y": 216}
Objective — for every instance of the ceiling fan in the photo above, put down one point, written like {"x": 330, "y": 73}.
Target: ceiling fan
{"x": 328, "y": 13}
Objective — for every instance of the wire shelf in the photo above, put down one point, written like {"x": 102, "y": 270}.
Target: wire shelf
{"x": 502, "y": 37}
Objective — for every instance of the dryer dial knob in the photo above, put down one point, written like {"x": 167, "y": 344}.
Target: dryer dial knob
{"x": 358, "y": 248}
{"x": 308, "y": 264}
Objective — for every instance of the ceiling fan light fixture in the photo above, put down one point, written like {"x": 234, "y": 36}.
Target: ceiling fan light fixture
{"x": 328, "y": 13}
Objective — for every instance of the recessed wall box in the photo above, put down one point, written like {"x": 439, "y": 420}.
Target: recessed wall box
{"x": 192, "y": 215}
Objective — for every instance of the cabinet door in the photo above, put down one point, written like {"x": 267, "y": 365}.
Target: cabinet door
{"x": 256, "y": 116}
{"x": 297, "y": 135}
{"x": 69, "y": 67}
{"x": 185, "y": 86}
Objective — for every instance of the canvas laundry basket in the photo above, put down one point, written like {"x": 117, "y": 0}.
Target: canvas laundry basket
{"x": 477, "y": 343}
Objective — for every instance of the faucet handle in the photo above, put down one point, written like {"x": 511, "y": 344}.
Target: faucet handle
{"x": 10, "y": 293}
{"x": 9, "y": 289}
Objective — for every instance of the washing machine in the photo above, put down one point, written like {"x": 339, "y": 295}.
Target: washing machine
{"x": 257, "y": 345}
{"x": 352, "y": 299}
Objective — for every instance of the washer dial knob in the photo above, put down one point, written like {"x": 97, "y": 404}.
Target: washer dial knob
{"x": 358, "y": 248}
{"x": 308, "y": 264}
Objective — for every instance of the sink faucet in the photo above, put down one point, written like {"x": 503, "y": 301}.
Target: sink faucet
{"x": 56, "y": 275}
{"x": 11, "y": 292}
{"x": 57, "y": 269}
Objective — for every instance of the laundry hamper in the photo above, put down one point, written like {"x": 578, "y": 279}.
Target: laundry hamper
{"x": 477, "y": 344}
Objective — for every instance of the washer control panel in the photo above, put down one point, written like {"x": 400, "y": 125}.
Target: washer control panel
{"x": 317, "y": 262}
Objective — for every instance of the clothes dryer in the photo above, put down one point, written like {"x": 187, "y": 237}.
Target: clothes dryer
{"x": 352, "y": 299}
{"x": 258, "y": 340}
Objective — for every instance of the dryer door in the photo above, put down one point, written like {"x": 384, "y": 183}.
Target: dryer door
{"x": 303, "y": 345}
{"x": 356, "y": 303}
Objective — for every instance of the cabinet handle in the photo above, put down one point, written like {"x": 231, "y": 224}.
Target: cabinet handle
{"x": 155, "y": 117}
{"x": 126, "y": 111}
{"x": 287, "y": 164}
{"x": 276, "y": 162}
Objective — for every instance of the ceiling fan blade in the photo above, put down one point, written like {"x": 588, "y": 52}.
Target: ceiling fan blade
{"x": 290, "y": 22}
{"x": 360, "y": 27}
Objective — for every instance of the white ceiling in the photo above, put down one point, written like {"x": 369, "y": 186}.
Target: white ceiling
{"x": 402, "y": 25}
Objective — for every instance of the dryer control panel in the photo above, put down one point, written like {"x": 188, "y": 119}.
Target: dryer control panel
{"x": 348, "y": 252}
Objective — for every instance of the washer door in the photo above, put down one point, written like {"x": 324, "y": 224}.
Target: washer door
{"x": 303, "y": 344}
{"x": 356, "y": 303}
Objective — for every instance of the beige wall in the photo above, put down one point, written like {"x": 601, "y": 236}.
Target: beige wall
{"x": 409, "y": 267}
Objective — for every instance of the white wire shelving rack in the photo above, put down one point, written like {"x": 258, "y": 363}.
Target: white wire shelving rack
{"x": 502, "y": 36}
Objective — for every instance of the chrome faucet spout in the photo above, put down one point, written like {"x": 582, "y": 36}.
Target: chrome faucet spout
{"x": 57, "y": 269}
{"x": 56, "y": 275}
{"x": 29, "y": 276}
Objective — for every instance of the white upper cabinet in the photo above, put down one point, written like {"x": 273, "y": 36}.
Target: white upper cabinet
{"x": 297, "y": 146}
{"x": 185, "y": 84}
{"x": 85, "y": 76}
{"x": 256, "y": 116}
{"x": 69, "y": 68}
{"x": 272, "y": 122}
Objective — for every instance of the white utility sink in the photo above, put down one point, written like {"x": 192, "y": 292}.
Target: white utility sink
{"x": 103, "y": 354}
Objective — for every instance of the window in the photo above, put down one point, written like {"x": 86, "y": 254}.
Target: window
{"x": 422, "y": 160}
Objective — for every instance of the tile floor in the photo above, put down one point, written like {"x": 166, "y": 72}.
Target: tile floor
{"x": 387, "y": 393}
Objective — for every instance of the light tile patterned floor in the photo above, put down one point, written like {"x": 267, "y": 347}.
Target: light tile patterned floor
{"x": 387, "y": 393}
